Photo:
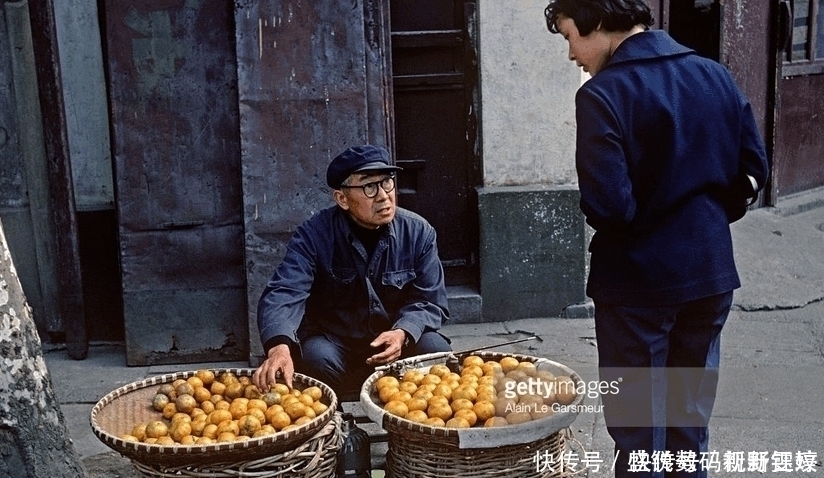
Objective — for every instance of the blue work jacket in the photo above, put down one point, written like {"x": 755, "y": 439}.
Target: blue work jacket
{"x": 663, "y": 137}
{"x": 327, "y": 285}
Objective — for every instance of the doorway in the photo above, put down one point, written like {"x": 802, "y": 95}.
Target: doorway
{"x": 434, "y": 73}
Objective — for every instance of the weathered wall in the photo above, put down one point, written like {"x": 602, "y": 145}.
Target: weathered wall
{"x": 533, "y": 237}
{"x": 532, "y": 262}
{"x": 527, "y": 91}
{"x": 34, "y": 441}
{"x": 84, "y": 93}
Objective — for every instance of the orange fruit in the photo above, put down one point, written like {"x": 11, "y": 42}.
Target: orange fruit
{"x": 303, "y": 420}
{"x": 279, "y": 419}
{"x": 226, "y": 437}
{"x": 435, "y": 422}
{"x": 495, "y": 422}
{"x": 185, "y": 388}
{"x": 169, "y": 410}
{"x": 205, "y": 376}
{"x": 475, "y": 370}
{"x": 204, "y": 441}
{"x": 233, "y": 390}
{"x": 417, "y": 416}
{"x": 443, "y": 390}
{"x": 271, "y": 398}
{"x": 185, "y": 403}
{"x": 139, "y": 431}
{"x": 423, "y": 393}
{"x": 400, "y": 396}
{"x": 205, "y": 408}
{"x": 408, "y": 387}
{"x": 202, "y": 394}
{"x": 416, "y": 403}
{"x": 217, "y": 388}
{"x": 295, "y": 410}
{"x": 468, "y": 415}
{"x": 461, "y": 404}
{"x": 490, "y": 367}
{"x": 180, "y": 431}
{"x": 237, "y": 409}
{"x": 209, "y": 431}
{"x": 396, "y": 407}
{"x": 439, "y": 410}
{"x": 319, "y": 407}
{"x": 465, "y": 392}
{"x": 413, "y": 376}
{"x": 471, "y": 360}
{"x": 484, "y": 410}
{"x": 440, "y": 370}
{"x": 160, "y": 401}
{"x": 251, "y": 391}
{"x": 306, "y": 399}
{"x": 385, "y": 394}
{"x": 165, "y": 441}
{"x": 198, "y": 426}
{"x": 280, "y": 388}
{"x": 516, "y": 418}
{"x": 431, "y": 378}
{"x": 315, "y": 392}
{"x": 166, "y": 389}
{"x": 508, "y": 364}
{"x": 156, "y": 429}
{"x": 527, "y": 367}
{"x": 219, "y": 416}
{"x": 248, "y": 425}
{"x": 194, "y": 381}
{"x": 457, "y": 422}
{"x": 230, "y": 426}
{"x": 257, "y": 403}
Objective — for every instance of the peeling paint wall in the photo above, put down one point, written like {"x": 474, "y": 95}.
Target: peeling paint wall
{"x": 528, "y": 88}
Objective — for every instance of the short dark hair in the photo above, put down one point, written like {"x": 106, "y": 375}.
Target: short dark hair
{"x": 612, "y": 15}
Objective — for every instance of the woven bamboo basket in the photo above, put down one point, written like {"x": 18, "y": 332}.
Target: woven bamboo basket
{"x": 120, "y": 410}
{"x": 314, "y": 458}
{"x": 417, "y": 450}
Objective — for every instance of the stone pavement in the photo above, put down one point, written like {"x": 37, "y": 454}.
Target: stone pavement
{"x": 770, "y": 395}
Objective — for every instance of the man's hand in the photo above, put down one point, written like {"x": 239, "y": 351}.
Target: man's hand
{"x": 278, "y": 363}
{"x": 392, "y": 343}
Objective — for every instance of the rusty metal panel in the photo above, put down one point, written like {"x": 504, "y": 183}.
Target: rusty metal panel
{"x": 313, "y": 80}
{"x": 799, "y": 142}
{"x": 746, "y": 51}
{"x": 173, "y": 94}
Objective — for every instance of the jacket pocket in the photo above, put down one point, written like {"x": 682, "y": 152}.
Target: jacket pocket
{"x": 398, "y": 279}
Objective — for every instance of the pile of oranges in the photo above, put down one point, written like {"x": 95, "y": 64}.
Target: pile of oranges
{"x": 484, "y": 393}
{"x": 205, "y": 409}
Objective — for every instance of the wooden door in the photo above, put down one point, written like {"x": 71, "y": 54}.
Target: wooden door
{"x": 435, "y": 95}
{"x": 798, "y": 158}
{"x": 174, "y": 114}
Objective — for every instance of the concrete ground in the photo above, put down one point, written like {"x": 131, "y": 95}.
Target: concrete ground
{"x": 772, "y": 371}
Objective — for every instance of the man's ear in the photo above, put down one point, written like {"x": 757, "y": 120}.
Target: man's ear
{"x": 340, "y": 199}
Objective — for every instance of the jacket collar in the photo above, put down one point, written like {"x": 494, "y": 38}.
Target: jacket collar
{"x": 645, "y": 45}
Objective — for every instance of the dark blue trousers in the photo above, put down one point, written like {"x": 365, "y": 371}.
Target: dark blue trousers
{"x": 665, "y": 362}
{"x": 343, "y": 367}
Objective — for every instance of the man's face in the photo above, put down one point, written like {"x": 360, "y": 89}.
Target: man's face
{"x": 367, "y": 212}
{"x": 591, "y": 52}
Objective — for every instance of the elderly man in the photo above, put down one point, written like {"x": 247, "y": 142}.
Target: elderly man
{"x": 361, "y": 283}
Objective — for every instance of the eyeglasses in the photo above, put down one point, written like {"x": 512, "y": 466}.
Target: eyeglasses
{"x": 370, "y": 190}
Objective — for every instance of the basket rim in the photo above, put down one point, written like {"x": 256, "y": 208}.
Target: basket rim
{"x": 473, "y": 437}
{"x": 204, "y": 454}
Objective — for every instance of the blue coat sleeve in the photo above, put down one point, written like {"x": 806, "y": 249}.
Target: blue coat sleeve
{"x": 283, "y": 301}
{"x": 426, "y": 308}
{"x": 607, "y": 198}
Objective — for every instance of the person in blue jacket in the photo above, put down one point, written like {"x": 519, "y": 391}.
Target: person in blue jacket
{"x": 667, "y": 155}
{"x": 360, "y": 285}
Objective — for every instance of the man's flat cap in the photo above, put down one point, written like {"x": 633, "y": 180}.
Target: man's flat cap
{"x": 358, "y": 159}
